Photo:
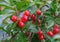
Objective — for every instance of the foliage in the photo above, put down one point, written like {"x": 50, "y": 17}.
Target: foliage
{"x": 50, "y": 16}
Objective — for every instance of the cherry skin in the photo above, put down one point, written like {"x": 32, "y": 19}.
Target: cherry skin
{"x": 24, "y": 18}
{"x": 40, "y": 33}
{"x": 50, "y": 33}
{"x": 27, "y": 13}
{"x": 41, "y": 37}
{"x": 56, "y": 26}
{"x": 33, "y": 17}
{"x": 38, "y": 12}
{"x": 55, "y": 31}
{"x": 21, "y": 24}
{"x": 14, "y": 18}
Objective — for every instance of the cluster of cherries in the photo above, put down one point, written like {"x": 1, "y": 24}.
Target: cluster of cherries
{"x": 24, "y": 19}
{"x": 25, "y": 16}
{"x": 49, "y": 33}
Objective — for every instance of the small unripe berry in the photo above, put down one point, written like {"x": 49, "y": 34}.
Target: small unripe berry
{"x": 14, "y": 18}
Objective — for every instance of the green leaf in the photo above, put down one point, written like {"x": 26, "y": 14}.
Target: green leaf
{"x": 50, "y": 23}
{"x": 54, "y": 5}
{"x": 56, "y": 36}
{"x": 57, "y": 20}
{"x": 1, "y": 28}
{"x": 23, "y": 5}
{"x": 49, "y": 39}
{"x": 35, "y": 38}
{"x": 33, "y": 9}
{"x": 20, "y": 38}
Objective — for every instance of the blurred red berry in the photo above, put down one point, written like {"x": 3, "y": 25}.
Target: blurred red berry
{"x": 55, "y": 31}
{"x": 27, "y": 13}
{"x": 56, "y": 26}
{"x": 24, "y": 18}
{"x": 41, "y": 37}
{"x": 40, "y": 33}
{"x": 21, "y": 24}
{"x": 50, "y": 33}
{"x": 38, "y": 12}
{"x": 33, "y": 17}
{"x": 14, "y": 18}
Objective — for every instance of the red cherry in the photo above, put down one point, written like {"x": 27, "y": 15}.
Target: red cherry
{"x": 27, "y": 13}
{"x": 24, "y": 18}
{"x": 56, "y": 26}
{"x": 14, "y": 18}
{"x": 50, "y": 33}
{"x": 40, "y": 33}
{"x": 33, "y": 17}
{"x": 41, "y": 37}
{"x": 38, "y": 12}
{"x": 20, "y": 24}
{"x": 55, "y": 31}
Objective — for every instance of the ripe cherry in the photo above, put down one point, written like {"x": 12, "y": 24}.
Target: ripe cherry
{"x": 41, "y": 37}
{"x": 27, "y": 13}
{"x": 50, "y": 33}
{"x": 40, "y": 33}
{"x": 33, "y": 17}
{"x": 56, "y": 26}
{"x": 38, "y": 12}
{"x": 14, "y": 18}
{"x": 24, "y": 18}
{"x": 55, "y": 31}
{"x": 20, "y": 24}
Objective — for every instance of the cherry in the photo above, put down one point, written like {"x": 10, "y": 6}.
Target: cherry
{"x": 55, "y": 31}
{"x": 20, "y": 24}
{"x": 41, "y": 37}
{"x": 40, "y": 33}
{"x": 50, "y": 33}
{"x": 14, "y": 18}
{"x": 27, "y": 13}
{"x": 33, "y": 17}
{"x": 56, "y": 26}
{"x": 38, "y": 12}
{"x": 24, "y": 18}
